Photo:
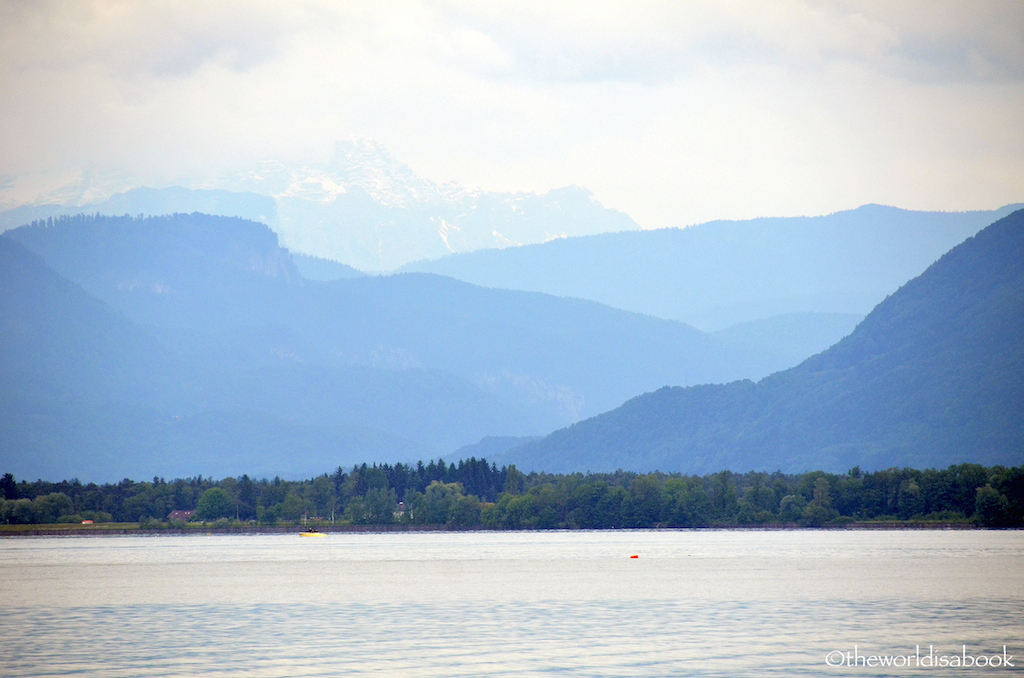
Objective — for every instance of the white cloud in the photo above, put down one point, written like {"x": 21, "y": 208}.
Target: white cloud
{"x": 672, "y": 112}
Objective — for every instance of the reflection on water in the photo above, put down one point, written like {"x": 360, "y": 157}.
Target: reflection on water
{"x": 696, "y": 603}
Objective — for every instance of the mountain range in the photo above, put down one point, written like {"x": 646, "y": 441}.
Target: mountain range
{"x": 362, "y": 208}
{"x": 243, "y": 355}
{"x": 722, "y": 273}
{"x": 138, "y": 345}
{"x": 934, "y": 375}
{"x": 88, "y": 393}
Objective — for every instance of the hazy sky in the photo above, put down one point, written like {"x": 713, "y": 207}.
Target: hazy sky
{"x": 675, "y": 112}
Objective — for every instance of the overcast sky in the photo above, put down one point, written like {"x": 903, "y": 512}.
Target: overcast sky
{"x": 674, "y": 112}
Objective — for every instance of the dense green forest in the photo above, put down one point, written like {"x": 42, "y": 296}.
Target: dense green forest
{"x": 475, "y": 494}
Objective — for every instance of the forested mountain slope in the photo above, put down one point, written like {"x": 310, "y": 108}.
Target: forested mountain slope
{"x": 934, "y": 375}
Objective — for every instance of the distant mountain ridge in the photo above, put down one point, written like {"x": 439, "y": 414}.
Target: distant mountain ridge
{"x": 318, "y": 268}
{"x": 792, "y": 336}
{"x": 191, "y": 340}
{"x": 243, "y": 343}
{"x": 228, "y": 278}
{"x": 934, "y": 375}
{"x": 152, "y": 202}
{"x": 722, "y": 273}
{"x": 361, "y": 208}
{"x": 87, "y": 393}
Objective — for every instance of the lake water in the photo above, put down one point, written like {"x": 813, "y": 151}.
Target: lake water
{"x": 694, "y": 603}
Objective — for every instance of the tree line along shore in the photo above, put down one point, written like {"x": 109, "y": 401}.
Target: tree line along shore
{"x": 476, "y": 494}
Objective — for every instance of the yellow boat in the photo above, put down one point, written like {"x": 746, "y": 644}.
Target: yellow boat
{"x": 312, "y": 533}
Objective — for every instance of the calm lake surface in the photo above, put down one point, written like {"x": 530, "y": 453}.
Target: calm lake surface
{"x": 695, "y": 603}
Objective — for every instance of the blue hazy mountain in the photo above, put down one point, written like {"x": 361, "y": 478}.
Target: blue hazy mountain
{"x": 56, "y": 336}
{"x": 934, "y": 375}
{"x": 86, "y": 392}
{"x": 722, "y": 273}
{"x": 418, "y": 362}
{"x": 361, "y": 207}
{"x": 490, "y": 447}
{"x": 318, "y": 268}
{"x": 227, "y": 281}
{"x": 155, "y": 201}
{"x": 791, "y": 337}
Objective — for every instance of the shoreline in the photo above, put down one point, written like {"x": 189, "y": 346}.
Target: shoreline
{"x": 128, "y": 529}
